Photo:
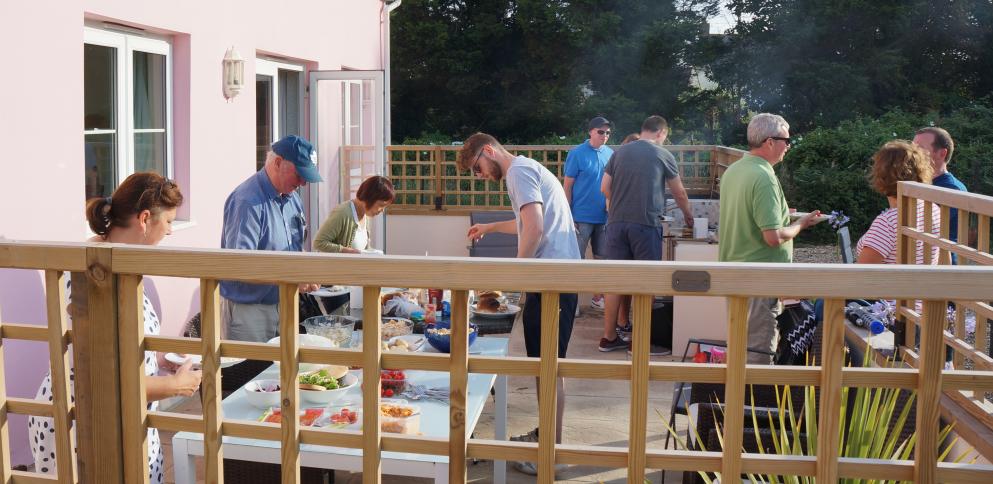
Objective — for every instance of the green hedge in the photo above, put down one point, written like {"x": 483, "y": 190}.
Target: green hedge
{"x": 827, "y": 169}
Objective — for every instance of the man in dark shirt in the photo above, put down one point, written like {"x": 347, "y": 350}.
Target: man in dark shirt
{"x": 939, "y": 144}
{"x": 634, "y": 183}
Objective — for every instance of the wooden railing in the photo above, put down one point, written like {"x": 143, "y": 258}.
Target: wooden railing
{"x": 111, "y": 416}
{"x": 972, "y": 249}
{"x": 426, "y": 177}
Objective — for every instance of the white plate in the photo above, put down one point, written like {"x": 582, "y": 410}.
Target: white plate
{"x": 797, "y": 215}
{"x": 412, "y": 340}
{"x": 512, "y": 309}
{"x": 179, "y": 359}
{"x": 330, "y": 291}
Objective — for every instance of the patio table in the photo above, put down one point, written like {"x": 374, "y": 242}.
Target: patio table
{"x": 434, "y": 422}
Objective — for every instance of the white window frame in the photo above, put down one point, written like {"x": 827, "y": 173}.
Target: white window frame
{"x": 125, "y": 44}
{"x": 271, "y": 68}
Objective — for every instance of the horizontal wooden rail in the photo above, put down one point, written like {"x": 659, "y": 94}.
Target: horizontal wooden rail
{"x": 20, "y": 477}
{"x": 27, "y": 332}
{"x": 618, "y": 277}
{"x": 980, "y": 359}
{"x": 962, "y": 251}
{"x": 127, "y": 265}
{"x": 27, "y": 406}
{"x": 44, "y": 255}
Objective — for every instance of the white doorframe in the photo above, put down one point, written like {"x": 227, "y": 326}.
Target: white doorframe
{"x": 377, "y": 78}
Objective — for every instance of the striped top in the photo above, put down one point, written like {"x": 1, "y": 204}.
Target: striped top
{"x": 881, "y": 235}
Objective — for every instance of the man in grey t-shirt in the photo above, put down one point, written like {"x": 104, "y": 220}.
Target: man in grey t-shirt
{"x": 545, "y": 230}
{"x": 634, "y": 183}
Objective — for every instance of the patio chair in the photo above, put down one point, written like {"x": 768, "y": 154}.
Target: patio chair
{"x": 264, "y": 472}
{"x": 710, "y": 422}
{"x": 234, "y": 376}
{"x": 845, "y": 246}
{"x": 682, "y": 391}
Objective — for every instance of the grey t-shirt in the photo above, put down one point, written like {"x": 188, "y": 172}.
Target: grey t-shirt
{"x": 529, "y": 182}
{"x": 638, "y": 172}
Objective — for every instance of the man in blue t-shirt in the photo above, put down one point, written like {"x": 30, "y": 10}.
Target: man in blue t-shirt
{"x": 939, "y": 144}
{"x": 583, "y": 174}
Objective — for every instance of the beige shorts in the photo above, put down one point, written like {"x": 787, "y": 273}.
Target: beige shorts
{"x": 249, "y": 322}
{"x": 763, "y": 330}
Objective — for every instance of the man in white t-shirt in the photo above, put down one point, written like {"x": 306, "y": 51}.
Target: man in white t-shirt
{"x": 545, "y": 230}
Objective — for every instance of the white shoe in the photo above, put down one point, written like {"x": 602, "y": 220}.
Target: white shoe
{"x": 531, "y": 469}
{"x": 597, "y": 303}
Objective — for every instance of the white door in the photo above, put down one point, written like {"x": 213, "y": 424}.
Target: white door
{"x": 347, "y": 125}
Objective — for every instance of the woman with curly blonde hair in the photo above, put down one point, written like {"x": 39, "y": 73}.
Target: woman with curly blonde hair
{"x": 896, "y": 161}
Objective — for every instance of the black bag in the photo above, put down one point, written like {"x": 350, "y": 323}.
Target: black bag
{"x": 797, "y": 325}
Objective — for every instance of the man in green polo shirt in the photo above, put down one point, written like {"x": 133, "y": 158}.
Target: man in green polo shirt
{"x": 755, "y": 224}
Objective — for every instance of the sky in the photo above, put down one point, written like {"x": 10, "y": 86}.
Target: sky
{"x": 721, "y": 22}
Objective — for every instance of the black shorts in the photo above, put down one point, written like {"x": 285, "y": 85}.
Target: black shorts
{"x": 532, "y": 322}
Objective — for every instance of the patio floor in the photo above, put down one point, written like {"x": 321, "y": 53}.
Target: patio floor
{"x": 596, "y": 414}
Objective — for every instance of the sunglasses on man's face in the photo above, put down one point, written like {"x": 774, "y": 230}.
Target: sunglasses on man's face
{"x": 603, "y": 132}
{"x": 780, "y": 138}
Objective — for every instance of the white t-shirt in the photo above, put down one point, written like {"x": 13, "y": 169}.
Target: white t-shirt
{"x": 361, "y": 239}
{"x": 529, "y": 182}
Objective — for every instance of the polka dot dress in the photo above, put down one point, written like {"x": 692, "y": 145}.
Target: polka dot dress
{"x": 41, "y": 430}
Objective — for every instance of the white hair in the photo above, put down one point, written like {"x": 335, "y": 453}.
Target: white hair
{"x": 764, "y": 126}
{"x": 270, "y": 157}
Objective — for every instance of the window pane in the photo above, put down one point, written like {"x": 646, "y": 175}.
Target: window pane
{"x": 99, "y": 73}
{"x": 101, "y": 164}
{"x": 149, "y": 91}
{"x": 99, "y": 106}
{"x": 150, "y": 152}
{"x": 263, "y": 118}
{"x": 289, "y": 103}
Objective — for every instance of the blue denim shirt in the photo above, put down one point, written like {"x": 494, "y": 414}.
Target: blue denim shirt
{"x": 257, "y": 217}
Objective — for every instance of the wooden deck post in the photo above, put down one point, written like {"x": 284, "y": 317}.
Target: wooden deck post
{"x": 210, "y": 389}
{"x": 641, "y": 307}
{"x": 905, "y": 254}
{"x": 932, "y": 361}
{"x": 132, "y": 354}
{"x": 58, "y": 339}
{"x": 96, "y": 349}
{"x": 734, "y": 389}
{"x": 4, "y": 425}
{"x": 458, "y": 368}
{"x": 289, "y": 311}
{"x": 372, "y": 352}
{"x": 832, "y": 362}
{"x": 548, "y": 385}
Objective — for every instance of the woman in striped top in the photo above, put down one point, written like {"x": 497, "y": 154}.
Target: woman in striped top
{"x": 897, "y": 161}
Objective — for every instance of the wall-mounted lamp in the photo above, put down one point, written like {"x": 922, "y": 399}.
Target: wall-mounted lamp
{"x": 234, "y": 73}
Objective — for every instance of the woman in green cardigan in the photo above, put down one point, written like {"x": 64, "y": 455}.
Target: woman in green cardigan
{"x": 346, "y": 230}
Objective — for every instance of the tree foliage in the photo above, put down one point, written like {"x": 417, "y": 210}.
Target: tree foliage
{"x": 847, "y": 74}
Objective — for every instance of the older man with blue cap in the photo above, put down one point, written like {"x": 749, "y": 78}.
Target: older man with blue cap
{"x": 266, "y": 213}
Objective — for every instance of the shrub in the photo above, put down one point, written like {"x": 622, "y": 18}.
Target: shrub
{"x": 827, "y": 168}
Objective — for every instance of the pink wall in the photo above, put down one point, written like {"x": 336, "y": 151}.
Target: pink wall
{"x": 41, "y": 117}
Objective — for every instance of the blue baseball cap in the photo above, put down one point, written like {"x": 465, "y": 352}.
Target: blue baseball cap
{"x": 302, "y": 154}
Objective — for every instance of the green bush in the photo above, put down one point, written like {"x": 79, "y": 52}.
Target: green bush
{"x": 827, "y": 169}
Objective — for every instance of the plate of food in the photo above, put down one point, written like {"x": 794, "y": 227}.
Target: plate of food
{"x": 179, "y": 359}
{"x": 498, "y": 311}
{"x": 404, "y": 343}
{"x": 797, "y": 215}
{"x": 330, "y": 291}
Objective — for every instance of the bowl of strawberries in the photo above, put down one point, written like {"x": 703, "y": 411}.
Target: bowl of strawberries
{"x": 393, "y": 383}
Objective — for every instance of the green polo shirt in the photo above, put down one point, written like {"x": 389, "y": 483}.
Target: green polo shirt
{"x": 752, "y": 201}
